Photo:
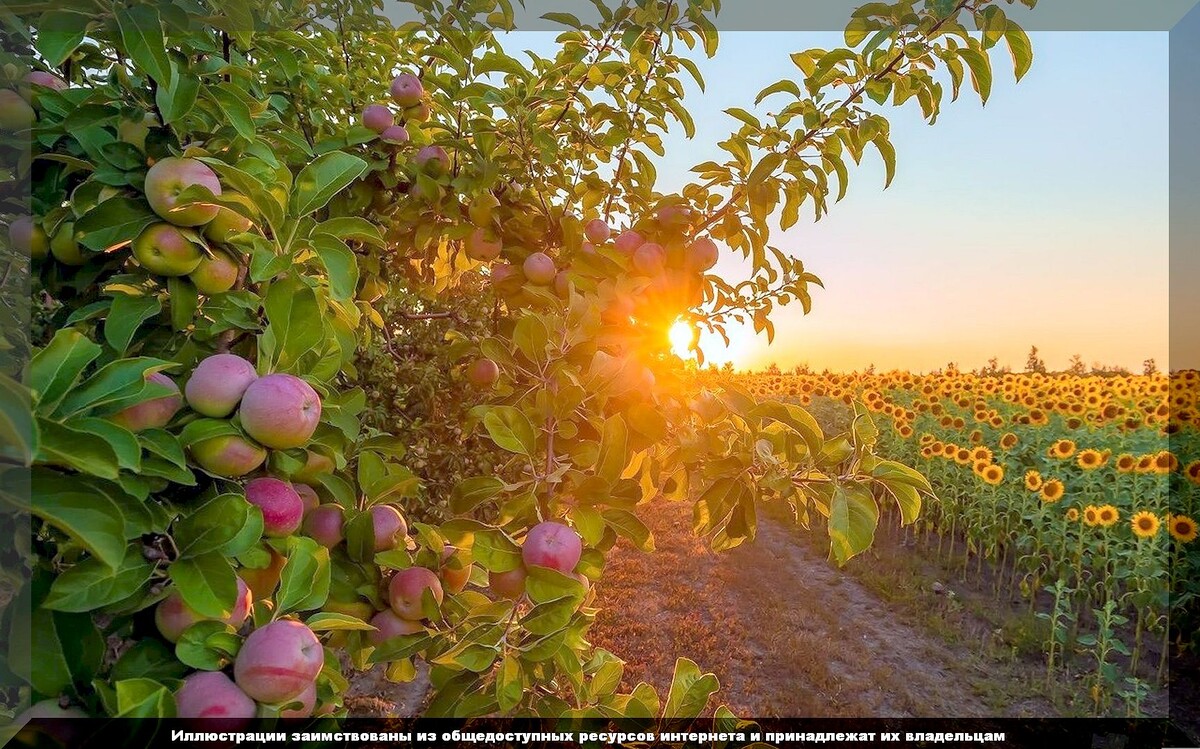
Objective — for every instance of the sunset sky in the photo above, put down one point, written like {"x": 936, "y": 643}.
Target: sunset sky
{"x": 1041, "y": 219}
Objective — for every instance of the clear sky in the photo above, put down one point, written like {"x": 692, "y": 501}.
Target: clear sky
{"x": 1040, "y": 219}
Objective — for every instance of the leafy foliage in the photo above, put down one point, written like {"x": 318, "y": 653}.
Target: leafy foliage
{"x": 347, "y": 252}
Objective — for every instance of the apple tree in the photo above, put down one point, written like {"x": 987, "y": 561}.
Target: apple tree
{"x": 253, "y": 235}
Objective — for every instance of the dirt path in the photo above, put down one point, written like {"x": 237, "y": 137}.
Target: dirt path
{"x": 786, "y": 632}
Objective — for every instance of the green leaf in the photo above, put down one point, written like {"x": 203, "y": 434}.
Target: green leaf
{"x": 1021, "y": 49}
{"x": 495, "y": 551}
{"x": 114, "y": 223}
{"x": 907, "y": 499}
{"x": 340, "y": 264}
{"x": 142, "y": 35}
{"x": 117, "y": 384}
{"x": 91, "y": 518}
{"x": 552, "y": 616}
{"x": 185, "y": 300}
{"x": 148, "y": 658}
{"x": 144, "y": 698}
{"x": 207, "y": 583}
{"x": 981, "y": 71}
{"x": 59, "y": 32}
{"x": 796, "y": 418}
{"x": 509, "y": 686}
{"x": 122, "y": 441}
{"x": 628, "y": 525}
{"x": 177, "y": 97}
{"x": 613, "y": 455}
{"x": 304, "y": 582}
{"x": 55, "y": 369}
{"x": 888, "y": 152}
{"x": 784, "y": 86}
{"x": 510, "y": 429}
{"x": 329, "y": 621}
{"x": 18, "y": 428}
{"x": 126, "y": 316}
{"x": 236, "y": 111}
{"x": 295, "y": 326}
{"x": 472, "y": 492}
{"x": 324, "y": 177}
{"x": 214, "y": 524}
{"x": 91, "y": 585}
{"x": 66, "y": 649}
{"x": 690, "y": 690}
{"x": 207, "y": 645}
{"x": 353, "y": 228}
{"x": 853, "y": 516}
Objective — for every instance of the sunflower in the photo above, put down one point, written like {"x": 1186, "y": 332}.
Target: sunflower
{"x": 1107, "y": 515}
{"x": 1126, "y": 463}
{"x": 1062, "y": 449}
{"x": 1089, "y": 459}
{"x": 949, "y": 449}
{"x": 982, "y": 453}
{"x": 1193, "y": 471}
{"x": 1165, "y": 462}
{"x": 1182, "y": 528}
{"x": 1145, "y": 524}
{"x": 1033, "y": 480}
{"x": 926, "y": 453}
{"x": 992, "y": 474}
{"x": 962, "y": 456}
{"x": 1091, "y": 515}
{"x": 1072, "y": 515}
{"x": 1052, "y": 491}
{"x": 1008, "y": 441}
{"x": 1145, "y": 464}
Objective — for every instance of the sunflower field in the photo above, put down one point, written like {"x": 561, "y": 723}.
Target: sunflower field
{"x": 1077, "y": 494}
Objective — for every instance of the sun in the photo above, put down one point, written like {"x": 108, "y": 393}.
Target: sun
{"x": 680, "y": 336}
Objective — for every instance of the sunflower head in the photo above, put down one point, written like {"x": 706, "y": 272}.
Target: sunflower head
{"x": 1033, "y": 480}
{"x": 1145, "y": 524}
{"x": 1052, "y": 491}
{"x": 1126, "y": 463}
{"x": 1063, "y": 448}
{"x": 1182, "y": 528}
{"x": 1008, "y": 441}
{"x": 1107, "y": 515}
{"x": 1090, "y": 460}
{"x": 1091, "y": 515}
{"x": 1072, "y": 515}
{"x": 992, "y": 474}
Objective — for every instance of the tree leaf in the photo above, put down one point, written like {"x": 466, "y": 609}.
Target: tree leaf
{"x": 59, "y": 32}
{"x": 321, "y": 179}
{"x": 142, "y": 35}
{"x": 510, "y": 429}
{"x": 55, "y": 369}
{"x": 207, "y": 583}
{"x": 91, "y": 518}
{"x": 127, "y": 314}
{"x": 114, "y": 223}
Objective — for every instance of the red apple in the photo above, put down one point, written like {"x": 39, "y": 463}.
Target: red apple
{"x": 552, "y": 545}
{"x": 377, "y": 117}
{"x": 701, "y": 255}
{"x": 172, "y": 615}
{"x": 307, "y": 700}
{"x": 483, "y": 373}
{"x": 211, "y": 694}
{"x": 15, "y": 113}
{"x": 539, "y": 269}
{"x": 510, "y": 584}
{"x": 389, "y": 525}
{"x": 230, "y": 455}
{"x": 395, "y": 134}
{"x": 597, "y": 231}
{"x": 215, "y": 275}
{"x": 324, "y": 524}
{"x": 308, "y": 496}
{"x": 649, "y": 259}
{"x": 163, "y": 250}
{"x": 481, "y": 246}
{"x": 280, "y": 411}
{"x": 171, "y": 176}
{"x": 454, "y": 579}
{"x": 48, "y": 80}
{"x": 407, "y": 588}
{"x": 277, "y": 662}
{"x": 406, "y": 90}
{"x": 387, "y": 625}
{"x": 629, "y": 241}
{"x": 281, "y": 506}
{"x": 217, "y": 384}
{"x": 153, "y": 413}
